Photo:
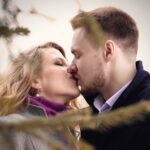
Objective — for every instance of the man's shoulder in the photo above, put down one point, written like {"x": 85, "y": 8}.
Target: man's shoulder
{"x": 137, "y": 90}
{"x": 142, "y": 88}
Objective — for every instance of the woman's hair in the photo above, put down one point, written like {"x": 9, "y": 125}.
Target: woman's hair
{"x": 15, "y": 86}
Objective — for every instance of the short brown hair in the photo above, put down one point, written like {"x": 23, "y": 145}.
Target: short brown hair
{"x": 114, "y": 22}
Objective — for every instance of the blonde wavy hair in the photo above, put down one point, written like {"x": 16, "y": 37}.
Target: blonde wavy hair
{"x": 15, "y": 85}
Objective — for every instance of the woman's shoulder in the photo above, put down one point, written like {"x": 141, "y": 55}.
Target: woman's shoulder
{"x": 32, "y": 111}
{"x": 23, "y": 140}
{"x": 19, "y": 138}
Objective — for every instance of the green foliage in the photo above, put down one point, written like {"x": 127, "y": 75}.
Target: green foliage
{"x": 92, "y": 27}
{"x": 7, "y": 32}
{"x": 39, "y": 125}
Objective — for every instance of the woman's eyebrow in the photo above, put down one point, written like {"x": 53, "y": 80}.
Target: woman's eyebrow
{"x": 61, "y": 59}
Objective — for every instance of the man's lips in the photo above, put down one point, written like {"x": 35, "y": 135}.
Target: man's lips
{"x": 75, "y": 78}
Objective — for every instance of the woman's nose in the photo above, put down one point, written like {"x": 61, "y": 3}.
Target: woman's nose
{"x": 72, "y": 69}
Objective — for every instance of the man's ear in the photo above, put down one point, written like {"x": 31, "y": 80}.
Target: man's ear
{"x": 109, "y": 50}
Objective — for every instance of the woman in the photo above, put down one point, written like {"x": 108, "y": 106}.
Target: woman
{"x": 38, "y": 77}
{"x": 37, "y": 84}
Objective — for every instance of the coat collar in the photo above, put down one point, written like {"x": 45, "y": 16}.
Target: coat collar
{"x": 130, "y": 95}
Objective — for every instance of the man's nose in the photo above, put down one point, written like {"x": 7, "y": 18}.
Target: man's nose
{"x": 72, "y": 69}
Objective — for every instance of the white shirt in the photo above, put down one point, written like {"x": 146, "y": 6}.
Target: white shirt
{"x": 105, "y": 105}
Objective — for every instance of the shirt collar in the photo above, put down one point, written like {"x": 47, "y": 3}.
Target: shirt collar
{"x": 103, "y": 106}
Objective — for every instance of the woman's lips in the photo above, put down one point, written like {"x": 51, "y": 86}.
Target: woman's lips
{"x": 74, "y": 79}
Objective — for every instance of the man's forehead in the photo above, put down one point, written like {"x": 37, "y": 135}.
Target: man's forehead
{"x": 76, "y": 40}
{"x": 81, "y": 40}
{"x": 79, "y": 33}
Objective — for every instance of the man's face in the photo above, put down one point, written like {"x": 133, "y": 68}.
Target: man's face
{"x": 88, "y": 63}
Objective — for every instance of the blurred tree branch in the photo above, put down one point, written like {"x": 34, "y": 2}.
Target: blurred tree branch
{"x": 6, "y": 32}
{"x": 122, "y": 116}
{"x": 9, "y": 25}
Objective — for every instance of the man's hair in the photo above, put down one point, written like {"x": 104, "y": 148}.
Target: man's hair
{"x": 114, "y": 22}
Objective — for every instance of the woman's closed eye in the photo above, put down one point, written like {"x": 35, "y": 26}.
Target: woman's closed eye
{"x": 60, "y": 63}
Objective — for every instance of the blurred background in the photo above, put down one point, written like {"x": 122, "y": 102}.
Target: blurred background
{"x": 49, "y": 20}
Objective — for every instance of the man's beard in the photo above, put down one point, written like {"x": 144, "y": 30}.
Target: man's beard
{"x": 91, "y": 92}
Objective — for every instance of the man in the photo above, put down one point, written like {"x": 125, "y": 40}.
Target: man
{"x": 110, "y": 73}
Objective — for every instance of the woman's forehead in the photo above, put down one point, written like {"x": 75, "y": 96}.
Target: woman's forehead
{"x": 53, "y": 53}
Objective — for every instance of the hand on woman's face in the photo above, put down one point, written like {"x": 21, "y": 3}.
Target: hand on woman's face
{"x": 54, "y": 82}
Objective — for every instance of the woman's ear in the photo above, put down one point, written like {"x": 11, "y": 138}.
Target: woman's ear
{"x": 36, "y": 84}
{"x": 109, "y": 50}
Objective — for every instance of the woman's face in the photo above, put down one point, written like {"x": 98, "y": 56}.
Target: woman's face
{"x": 54, "y": 82}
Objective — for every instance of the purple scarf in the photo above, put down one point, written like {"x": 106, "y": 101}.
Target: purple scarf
{"x": 52, "y": 108}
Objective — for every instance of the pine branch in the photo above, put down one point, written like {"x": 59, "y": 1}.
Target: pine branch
{"x": 92, "y": 27}
{"x": 126, "y": 115}
{"x": 36, "y": 126}
{"x": 7, "y": 32}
